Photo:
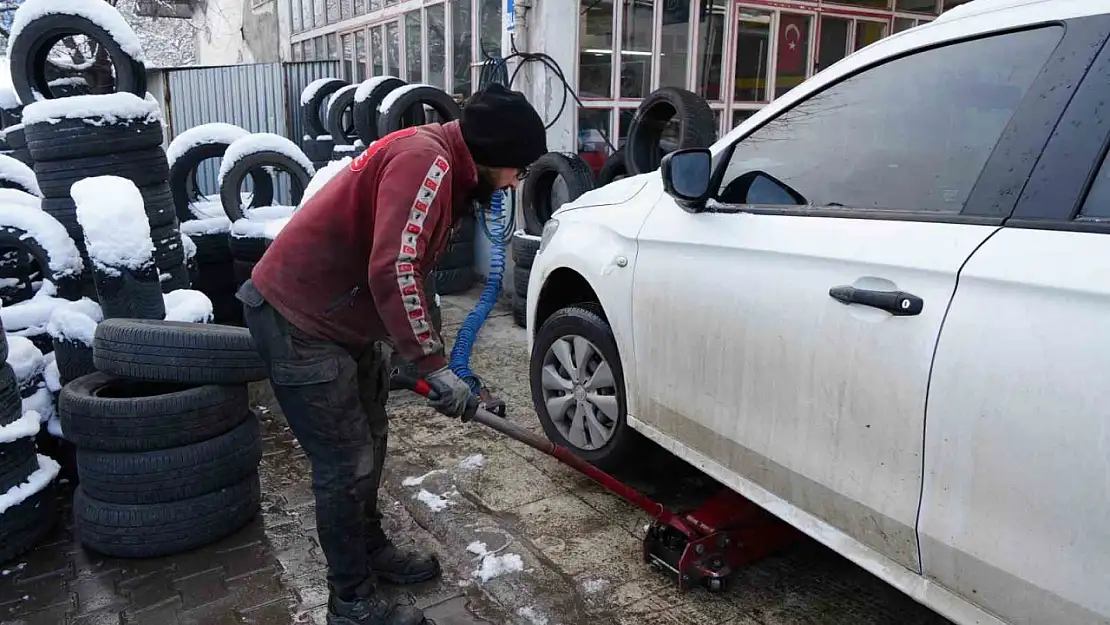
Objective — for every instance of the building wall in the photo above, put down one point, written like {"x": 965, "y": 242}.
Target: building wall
{"x": 231, "y": 32}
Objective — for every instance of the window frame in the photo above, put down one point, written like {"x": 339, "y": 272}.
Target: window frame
{"x": 987, "y": 188}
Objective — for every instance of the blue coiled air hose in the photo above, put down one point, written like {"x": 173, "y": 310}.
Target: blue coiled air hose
{"x": 497, "y": 228}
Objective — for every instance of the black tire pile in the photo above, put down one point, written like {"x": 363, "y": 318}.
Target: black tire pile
{"x": 454, "y": 272}
{"x": 167, "y": 447}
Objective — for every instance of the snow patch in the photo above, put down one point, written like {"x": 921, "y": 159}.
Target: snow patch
{"x": 188, "y": 306}
{"x": 472, "y": 463}
{"x": 96, "y": 11}
{"x": 27, "y": 425}
{"x": 73, "y": 324}
{"x": 96, "y": 110}
{"x": 396, "y": 94}
{"x": 9, "y": 99}
{"x": 323, "y": 138}
{"x": 62, "y": 255}
{"x": 16, "y": 172}
{"x": 323, "y": 177}
{"x": 258, "y": 228}
{"x": 41, "y": 403}
{"x": 52, "y": 377}
{"x": 367, "y": 86}
{"x": 207, "y": 208}
{"x": 110, "y": 211}
{"x": 205, "y": 134}
{"x": 269, "y": 212}
{"x": 533, "y": 617}
{"x": 24, "y": 358}
{"x": 493, "y": 565}
{"x": 189, "y": 245}
{"x": 594, "y": 586}
{"x": 202, "y": 227}
{"x": 262, "y": 142}
{"x": 417, "y": 481}
{"x": 54, "y": 427}
{"x": 313, "y": 88}
{"x": 435, "y": 502}
{"x": 344, "y": 149}
{"x": 339, "y": 92}
{"x": 47, "y": 471}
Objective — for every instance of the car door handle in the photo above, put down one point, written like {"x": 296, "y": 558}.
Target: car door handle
{"x": 897, "y": 303}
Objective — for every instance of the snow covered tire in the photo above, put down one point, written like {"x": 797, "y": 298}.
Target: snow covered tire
{"x": 11, "y": 404}
{"x": 14, "y": 174}
{"x": 535, "y": 194}
{"x": 17, "y": 462}
{"x": 183, "y": 173}
{"x": 172, "y": 474}
{"x": 132, "y": 294}
{"x": 341, "y": 114}
{"x": 74, "y": 359}
{"x": 229, "y": 189}
{"x": 29, "y": 51}
{"x": 107, "y": 413}
{"x": 171, "y": 351}
{"x": 145, "y": 168}
{"x": 312, "y": 111}
{"x": 697, "y": 126}
{"x": 68, "y": 139}
{"x": 68, "y": 284}
{"x": 151, "y": 530}
{"x": 366, "y": 110}
{"x": 28, "y": 522}
{"x": 393, "y": 118}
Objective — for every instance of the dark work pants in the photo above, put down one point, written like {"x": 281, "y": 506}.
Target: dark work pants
{"x": 334, "y": 400}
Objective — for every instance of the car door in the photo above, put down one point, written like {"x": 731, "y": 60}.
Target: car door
{"x": 1016, "y": 500}
{"x": 754, "y": 344}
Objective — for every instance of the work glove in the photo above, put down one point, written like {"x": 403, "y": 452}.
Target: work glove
{"x": 452, "y": 394}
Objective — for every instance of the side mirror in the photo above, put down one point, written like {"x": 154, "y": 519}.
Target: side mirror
{"x": 687, "y": 176}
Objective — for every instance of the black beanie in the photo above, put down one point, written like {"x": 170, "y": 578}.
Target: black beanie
{"x": 501, "y": 128}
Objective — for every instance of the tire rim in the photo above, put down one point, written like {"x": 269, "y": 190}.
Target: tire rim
{"x": 580, "y": 392}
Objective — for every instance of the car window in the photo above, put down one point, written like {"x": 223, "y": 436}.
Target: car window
{"x": 1097, "y": 203}
{"x": 912, "y": 134}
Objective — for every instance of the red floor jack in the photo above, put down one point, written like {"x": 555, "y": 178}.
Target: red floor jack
{"x": 700, "y": 548}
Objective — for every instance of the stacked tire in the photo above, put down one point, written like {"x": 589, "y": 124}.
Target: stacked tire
{"x": 541, "y": 196}
{"x": 697, "y": 127}
{"x": 525, "y": 247}
{"x": 317, "y": 141}
{"x": 454, "y": 272}
{"x": 27, "y": 506}
{"x": 15, "y": 138}
{"x": 167, "y": 447}
{"x": 266, "y": 152}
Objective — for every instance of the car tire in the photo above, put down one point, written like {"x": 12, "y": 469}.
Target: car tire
{"x": 536, "y": 192}
{"x": 176, "y": 278}
{"x": 697, "y": 126}
{"x": 373, "y": 91}
{"x": 233, "y": 181}
{"x": 145, "y": 168}
{"x": 173, "y": 474}
{"x": 169, "y": 249}
{"x": 59, "y": 261}
{"x": 152, "y": 530}
{"x": 16, "y": 175}
{"x": 341, "y": 106}
{"x": 393, "y": 118}
{"x": 67, "y": 139}
{"x": 614, "y": 169}
{"x": 312, "y": 104}
{"x": 452, "y": 281}
{"x": 585, "y": 322}
{"x": 520, "y": 310}
{"x": 29, "y": 52}
{"x": 106, "y": 413}
{"x": 11, "y": 404}
{"x": 17, "y": 461}
{"x": 248, "y": 249}
{"x": 172, "y": 351}
{"x": 521, "y": 276}
{"x": 525, "y": 247}
{"x": 25, "y": 524}
{"x": 183, "y": 172}
{"x": 130, "y": 293}
{"x": 73, "y": 357}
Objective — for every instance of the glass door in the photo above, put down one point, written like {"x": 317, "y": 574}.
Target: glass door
{"x": 793, "y": 50}
{"x": 751, "y": 72}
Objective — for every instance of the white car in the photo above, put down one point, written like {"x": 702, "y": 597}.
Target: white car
{"x": 879, "y": 308}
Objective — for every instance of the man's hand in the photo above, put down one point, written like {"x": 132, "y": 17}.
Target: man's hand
{"x": 452, "y": 394}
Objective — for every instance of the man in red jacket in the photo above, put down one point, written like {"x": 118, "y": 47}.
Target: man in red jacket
{"x": 345, "y": 275}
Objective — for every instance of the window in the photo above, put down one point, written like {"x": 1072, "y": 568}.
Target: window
{"x": 871, "y": 4}
{"x": 393, "y": 49}
{"x": 1097, "y": 203}
{"x": 868, "y": 33}
{"x": 437, "y": 44}
{"x": 462, "y": 83}
{"x": 319, "y": 12}
{"x": 877, "y": 140}
{"x": 753, "y": 44}
{"x": 593, "y": 127}
{"x": 376, "y": 51}
{"x": 332, "y": 10}
{"x": 917, "y": 6}
{"x": 738, "y": 117}
{"x": 360, "y": 56}
{"x": 298, "y": 53}
{"x": 414, "y": 47}
{"x": 489, "y": 27}
{"x": 792, "y": 56}
{"x": 636, "y": 31}
{"x": 333, "y": 47}
{"x": 711, "y": 42}
{"x": 346, "y": 10}
{"x": 348, "y": 57}
{"x": 595, "y": 50}
{"x": 674, "y": 44}
{"x": 903, "y": 23}
{"x": 833, "y": 43}
{"x": 298, "y": 19}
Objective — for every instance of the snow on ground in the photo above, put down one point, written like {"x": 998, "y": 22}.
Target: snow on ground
{"x": 313, "y": 88}
{"x": 41, "y": 403}
{"x": 188, "y": 305}
{"x": 205, "y": 134}
{"x": 394, "y": 95}
{"x": 492, "y": 565}
{"x": 437, "y": 503}
{"x": 210, "y": 225}
{"x": 594, "y": 586}
{"x": 367, "y": 86}
{"x": 417, "y": 481}
{"x": 110, "y": 211}
{"x": 97, "y": 110}
{"x": 18, "y": 173}
{"x": 96, "y": 11}
{"x": 472, "y": 463}
{"x": 47, "y": 471}
{"x": 27, "y": 425}
{"x": 62, "y": 255}
{"x": 322, "y": 177}
{"x": 24, "y": 358}
{"x": 262, "y": 142}
{"x": 532, "y": 615}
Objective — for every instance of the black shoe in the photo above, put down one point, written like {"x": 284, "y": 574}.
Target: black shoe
{"x": 373, "y": 610}
{"x": 391, "y": 564}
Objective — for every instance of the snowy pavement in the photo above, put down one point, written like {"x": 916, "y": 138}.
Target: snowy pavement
{"x": 522, "y": 539}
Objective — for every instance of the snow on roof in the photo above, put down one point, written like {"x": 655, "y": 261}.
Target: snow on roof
{"x": 63, "y": 257}
{"x": 262, "y": 142}
{"x": 15, "y": 171}
{"x": 112, "y": 108}
{"x": 394, "y": 95}
{"x": 205, "y": 134}
{"x": 96, "y": 11}
{"x": 367, "y": 86}
{"x": 110, "y": 211}
{"x": 313, "y": 88}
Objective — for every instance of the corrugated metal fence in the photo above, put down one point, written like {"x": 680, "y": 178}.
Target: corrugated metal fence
{"x": 263, "y": 97}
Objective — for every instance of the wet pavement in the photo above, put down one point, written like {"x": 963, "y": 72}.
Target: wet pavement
{"x": 521, "y": 538}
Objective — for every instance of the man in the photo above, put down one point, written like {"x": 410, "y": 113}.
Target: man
{"x": 346, "y": 274}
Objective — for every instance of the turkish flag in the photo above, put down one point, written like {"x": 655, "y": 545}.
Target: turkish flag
{"x": 793, "y": 43}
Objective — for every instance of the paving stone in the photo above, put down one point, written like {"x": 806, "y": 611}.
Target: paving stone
{"x": 162, "y": 613}
{"x": 97, "y": 593}
{"x": 200, "y": 588}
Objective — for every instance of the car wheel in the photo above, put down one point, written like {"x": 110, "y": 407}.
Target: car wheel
{"x": 578, "y": 387}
